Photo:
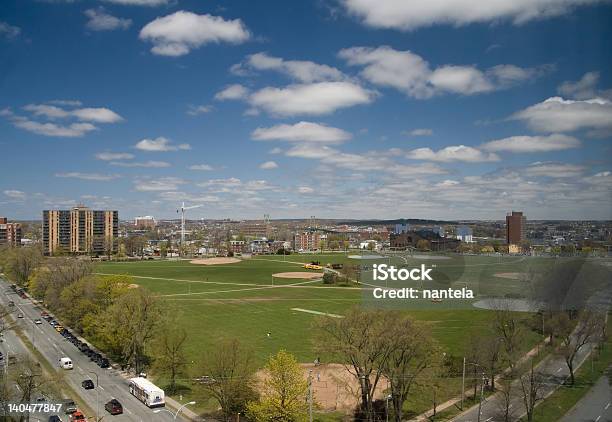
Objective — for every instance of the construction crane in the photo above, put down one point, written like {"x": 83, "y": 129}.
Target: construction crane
{"x": 182, "y": 210}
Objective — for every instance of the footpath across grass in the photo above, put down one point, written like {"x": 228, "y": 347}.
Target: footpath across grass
{"x": 566, "y": 397}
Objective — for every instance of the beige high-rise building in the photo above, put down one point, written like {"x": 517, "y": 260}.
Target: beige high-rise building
{"x": 80, "y": 231}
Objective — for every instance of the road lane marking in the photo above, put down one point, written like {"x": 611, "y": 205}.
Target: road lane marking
{"x": 607, "y": 406}
{"x": 559, "y": 370}
{"x": 598, "y": 418}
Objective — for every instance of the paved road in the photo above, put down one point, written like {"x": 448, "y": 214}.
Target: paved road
{"x": 596, "y": 406}
{"x": 53, "y": 346}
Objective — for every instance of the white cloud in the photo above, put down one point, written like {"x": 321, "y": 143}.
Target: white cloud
{"x": 180, "y": 32}
{"x": 584, "y": 89}
{"x": 452, "y": 153}
{"x": 554, "y": 142}
{"x": 312, "y": 99}
{"x": 554, "y": 170}
{"x": 159, "y": 184}
{"x": 419, "y": 132}
{"x": 9, "y": 31}
{"x": 300, "y": 70}
{"x": 71, "y": 103}
{"x": 145, "y": 164}
{"x": 98, "y": 177}
{"x": 110, "y": 156}
{"x": 558, "y": 115}
{"x": 201, "y": 167}
{"x": 409, "y": 15}
{"x": 232, "y": 92}
{"x": 201, "y": 109}
{"x": 87, "y": 114}
{"x": 411, "y": 74}
{"x": 275, "y": 151}
{"x": 73, "y": 130}
{"x": 301, "y": 132}
{"x": 268, "y": 165}
{"x": 305, "y": 190}
{"x": 140, "y": 2}
{"x": 160, "y": 144}
{"x": 100, "y": 20}
{"x": 15, "y": 194}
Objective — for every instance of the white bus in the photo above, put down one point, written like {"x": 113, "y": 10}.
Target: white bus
{"x": 147, "y": 392}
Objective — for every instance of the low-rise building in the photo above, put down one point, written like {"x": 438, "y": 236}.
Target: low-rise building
{"x": 10, "y": 233}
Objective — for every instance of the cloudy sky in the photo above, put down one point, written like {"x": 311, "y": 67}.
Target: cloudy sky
{"x": 453, "y": 109}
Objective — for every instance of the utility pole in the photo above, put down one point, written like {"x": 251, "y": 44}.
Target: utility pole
{"x": 481, "y": 394}
{"x": 463, "y": 384}
{"x": 310, "y": 395}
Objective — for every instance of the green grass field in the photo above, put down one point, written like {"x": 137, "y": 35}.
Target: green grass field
{"x": 239, "y": 300}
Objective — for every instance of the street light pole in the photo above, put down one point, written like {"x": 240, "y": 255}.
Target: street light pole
{"x": 310, "y": 395}
{"x": 175, "y": 415}
{"x": 481, "y": 394}
{"x": 97, "y": 396}
{"x": 463, "y": 384}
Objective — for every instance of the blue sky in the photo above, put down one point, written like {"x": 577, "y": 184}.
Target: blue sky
{"x": 334, "y": 108}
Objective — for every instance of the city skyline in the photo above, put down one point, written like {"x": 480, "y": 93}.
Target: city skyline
{"x": 339, "y": 109}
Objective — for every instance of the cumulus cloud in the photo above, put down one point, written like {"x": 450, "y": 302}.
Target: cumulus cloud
{"x": 201, "y": 109}
{"x": 301, "y": 132}
{"x": 300, "y": 70}
{"x": 418, "y": 132}
{"x": 98, "y": 177}
{"x": 73, "y": 130}
{"x": 201, "y": 167}
{"x": 310, "y": 99}
{"x": 232, "y": 92}
{"x": 9, "y": 31}
{"x": 409, "y": 15}
{"x": 554, "y": 142}
{"x": 110, "y": 156}
{"x": 268, "y": 165}
{"x": 305, "y": 189}
{"x": 145, "y": 164}
{"x": 160, "y": 144}
{"x": 452, "y": 153}
{"x": 584, "y": 89}
{"x": 411, "y": 74}
{"x": 177, "y": 34}
{"x": 140, "y": 2}
{"x": 159, "y": 184}
{"x": 100, "y": 20}
{"x": 87, "y": 114}
{"x": 15, "y": 194}
{"x": 554, "y": 170}
{"x": 559, "y": 115}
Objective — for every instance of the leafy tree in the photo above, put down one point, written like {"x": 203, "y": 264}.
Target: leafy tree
{"x": 423, "y": 245}
{"x": 19, "y": 264}
{"x": 284, "y": 392}
{"x": 230, "y": 370}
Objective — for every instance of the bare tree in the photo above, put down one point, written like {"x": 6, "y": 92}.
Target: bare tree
{"x": 227, "y": 375}
{"x": 588, "y": 328}
{"x": 531, "y": 389}
{"x": 171, "y": 360}
{"x": 506, "y": 392}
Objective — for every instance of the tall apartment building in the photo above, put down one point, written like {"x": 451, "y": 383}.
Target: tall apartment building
{"x": 306, "y": 241}
{"x": 516, "y": 223}
{"x": 10, "y": 233}
{"x": 80, "y": 231}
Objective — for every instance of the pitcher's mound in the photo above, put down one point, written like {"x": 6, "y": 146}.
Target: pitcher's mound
{"x": 214, "y": 261}
{"x": 298, "y": 274}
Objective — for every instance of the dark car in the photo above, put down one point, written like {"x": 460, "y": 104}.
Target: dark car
{"x": 83, "y": 347}
{"x": 54, "y": 418}
{"x": 88, "y": 385}
{"x": 103, "y": 363}
{"x": 114, "y": 407}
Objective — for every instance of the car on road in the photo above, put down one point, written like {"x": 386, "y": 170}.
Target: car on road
{"x": 44, "y": 314}
{"x": 19, "y": 315}
{"x": 58, "y": 328}
{"x": 11, "y": 303}
{"x": 65, "y": 363}
{"x": 114, "y": 407}
{"x": 53, "y": 323}
{"x": 87, "y": 384}
{"x": 37, "y": 321}
{"x": 54, "y": 418}
{"x": 77, "y": 416}
{"x": 1, "y": 356}
{"x": 103, "y": 363}
{"x": 69, "y": 406}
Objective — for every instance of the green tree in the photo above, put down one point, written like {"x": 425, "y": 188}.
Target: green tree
{"x": 284, "y": 392}
{"x": 19, "y": 264}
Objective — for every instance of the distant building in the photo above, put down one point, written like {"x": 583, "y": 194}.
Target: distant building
{"x": 515, "y": 228}
{"x": 401, "y": 228}
{"x": 145, "y": 222}
{"x": 465, "y": 234}
{"x": 80, "y": 231}
{"x": 306, "y": 241}
{"x": 237, "y": 246}
{"x": 411, "y": 239}
{"x": 10, "y": 233}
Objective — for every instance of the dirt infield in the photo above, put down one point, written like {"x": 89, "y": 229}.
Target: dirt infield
{"x": 214, "y": 261}
{"x": 511, "y": 276}
{"x": 299, "y": 274}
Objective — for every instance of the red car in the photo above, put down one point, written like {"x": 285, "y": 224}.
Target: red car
{"x": 114, "y": 407}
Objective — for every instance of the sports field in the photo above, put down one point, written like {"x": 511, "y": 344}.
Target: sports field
{"x": 243, "y": 300}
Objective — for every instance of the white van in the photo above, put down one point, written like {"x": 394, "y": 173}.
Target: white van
{"x": 65, "y": 363}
